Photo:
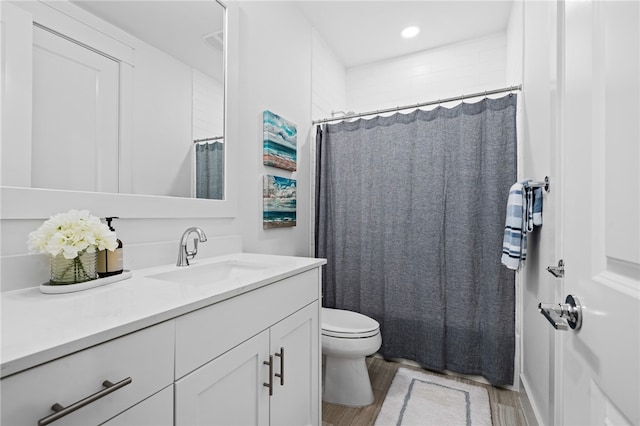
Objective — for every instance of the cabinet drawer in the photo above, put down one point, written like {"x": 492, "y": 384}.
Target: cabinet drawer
{"x": 145, "y": 356}
{"x": 209, "y": 332}
{"x": 155, "y": 411}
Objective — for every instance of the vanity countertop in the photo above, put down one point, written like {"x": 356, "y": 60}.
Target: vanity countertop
{"x": 37, "y": 328}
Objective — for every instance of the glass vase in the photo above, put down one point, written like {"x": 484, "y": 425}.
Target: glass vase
{"x": 70, "y": 271}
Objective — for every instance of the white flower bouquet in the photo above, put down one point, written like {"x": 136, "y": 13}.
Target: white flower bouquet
{"x": 75, "y": 236}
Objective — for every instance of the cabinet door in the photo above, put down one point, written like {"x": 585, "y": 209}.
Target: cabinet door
{"x": 228, "y": 390}
{"x": 296, "y": 398}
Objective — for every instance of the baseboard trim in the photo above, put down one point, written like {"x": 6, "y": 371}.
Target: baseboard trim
{"x": 529, "y": 408}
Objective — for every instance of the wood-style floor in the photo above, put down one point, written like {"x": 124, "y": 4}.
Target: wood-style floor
{"x": 505, "y": 404}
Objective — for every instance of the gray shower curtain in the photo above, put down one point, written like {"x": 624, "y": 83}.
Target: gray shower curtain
{"x": 410, "y": 213}
{"x": 210, "y": 170}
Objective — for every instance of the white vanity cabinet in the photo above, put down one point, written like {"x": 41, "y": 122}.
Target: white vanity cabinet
{"x": 223, "y": 354}
{"x": 236, "y": 351}
{"x": 145, "y": 357}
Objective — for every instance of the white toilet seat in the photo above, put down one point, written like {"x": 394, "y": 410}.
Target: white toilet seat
{"x": 347, "y": 324}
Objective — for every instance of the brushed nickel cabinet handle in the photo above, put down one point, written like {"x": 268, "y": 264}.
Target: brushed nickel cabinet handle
{"x": 281, "y": 375}
{"x": 61, "y": 411}
{"x": 270, "y": 384}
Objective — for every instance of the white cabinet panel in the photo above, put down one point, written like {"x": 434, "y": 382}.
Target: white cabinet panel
{"x": 228, "y": 390}
{"x": 295, "y": 399}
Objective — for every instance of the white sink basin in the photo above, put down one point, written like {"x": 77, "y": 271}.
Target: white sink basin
{"x": 210, "y": 273}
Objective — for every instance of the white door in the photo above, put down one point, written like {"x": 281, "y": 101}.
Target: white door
{"x": 295, "y": 340}
{"x": 228, "y": 390}
{"x": 75, "y": 116}
{"x": 600, "y": 204}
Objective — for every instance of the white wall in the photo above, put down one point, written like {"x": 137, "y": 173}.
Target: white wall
{"x": 467, "y": 67}
{"x": 329, "y": 80}
{"x": 16, "y": 91}
{"x": 162, "y": 124}
{"x": 539, "y": 152}
{"x": 513, "y": 70}
{"x": 515, "y": 44}
{"x": 275, "y": 75}
{"x": 208, "y": 106}
{"x": 328, "y": 96}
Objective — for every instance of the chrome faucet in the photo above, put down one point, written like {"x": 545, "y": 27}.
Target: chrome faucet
{"x": 183, "y": 253}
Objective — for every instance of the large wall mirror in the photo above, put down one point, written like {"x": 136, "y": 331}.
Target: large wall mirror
{"x": 123, "y": 97}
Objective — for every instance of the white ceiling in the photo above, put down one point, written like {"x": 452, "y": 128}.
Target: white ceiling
{"x": 358, "y": 31}
{"x": 365, "y": 31}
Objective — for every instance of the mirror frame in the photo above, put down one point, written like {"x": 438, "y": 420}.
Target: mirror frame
{"x": 37, "y": 203}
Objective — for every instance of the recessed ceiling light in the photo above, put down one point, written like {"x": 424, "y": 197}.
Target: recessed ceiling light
{"x": 410, "y": 32}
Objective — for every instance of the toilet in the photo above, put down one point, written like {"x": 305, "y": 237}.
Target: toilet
{"x": 347, "y": 338}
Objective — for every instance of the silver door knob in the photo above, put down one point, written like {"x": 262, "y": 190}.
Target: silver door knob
{"x": 563, "y": 315}
{"x": 557, "y": 271}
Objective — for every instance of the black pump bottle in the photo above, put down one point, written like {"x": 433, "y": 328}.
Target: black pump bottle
{"x": 110, "y": 262}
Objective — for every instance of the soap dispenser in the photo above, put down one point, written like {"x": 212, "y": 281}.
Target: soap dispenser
{"x": 110, "y": 262}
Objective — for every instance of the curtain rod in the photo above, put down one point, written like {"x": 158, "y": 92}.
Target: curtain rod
{"x": 215, "y": 138}
{"x": 439, "y": 101}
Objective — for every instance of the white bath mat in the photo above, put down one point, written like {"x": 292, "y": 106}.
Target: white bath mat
{"x": 422, "y": 399}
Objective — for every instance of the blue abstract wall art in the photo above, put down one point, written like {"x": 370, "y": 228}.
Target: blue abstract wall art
{"x": 279, "y": 141}
{"x": 279, "y": 196}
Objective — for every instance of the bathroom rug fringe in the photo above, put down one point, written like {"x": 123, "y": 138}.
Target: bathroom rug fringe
{"x": 418, "y": 398}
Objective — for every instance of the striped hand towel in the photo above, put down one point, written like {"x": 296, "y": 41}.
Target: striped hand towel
{"x": 514, "y": 244}
{"x": 537, "y": 206}
{"x": 528, "y": 221}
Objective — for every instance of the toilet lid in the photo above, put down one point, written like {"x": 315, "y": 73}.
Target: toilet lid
{"x": 341, "y": 323}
